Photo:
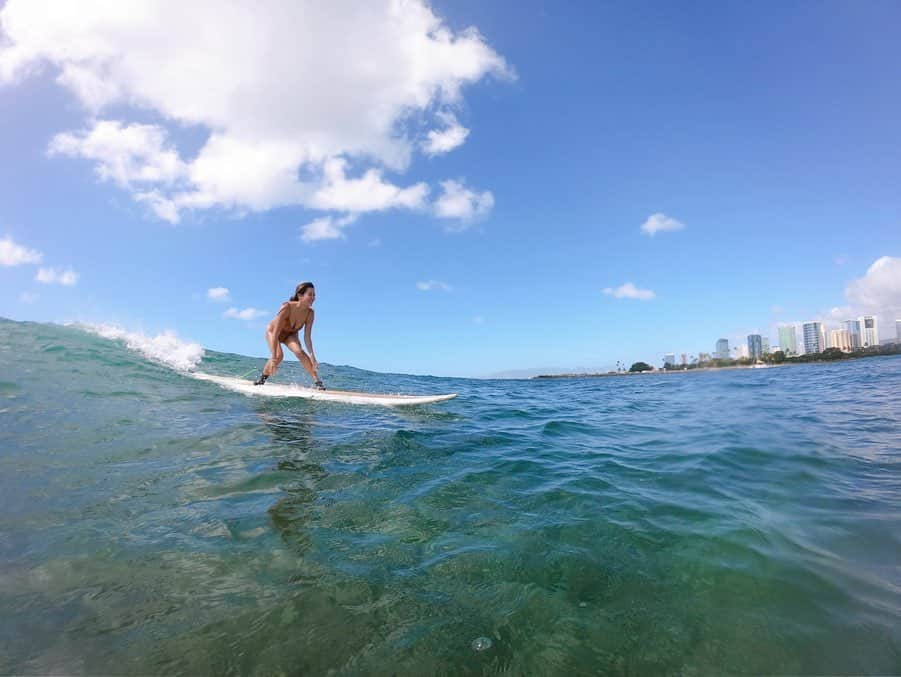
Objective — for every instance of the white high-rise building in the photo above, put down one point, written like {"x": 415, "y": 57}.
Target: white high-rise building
{"x": 814, "y": 337}
{"x": 788, "y": 339}
{"x": 853, "y": 327}
{"x": 869, "y": 331}
{"x": 898, "y": 331}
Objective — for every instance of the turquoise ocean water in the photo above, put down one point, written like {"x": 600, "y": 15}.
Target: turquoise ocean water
{"x": 739, "y": 522}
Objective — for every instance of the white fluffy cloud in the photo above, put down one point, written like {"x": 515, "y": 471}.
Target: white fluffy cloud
{"x": 67, "y": 278}
{"x": 877, "y": 292}
{"x": 244, "y": 314}
{"x": 12, "y": 254}
{"x": 432, "y": 285}
{"x": 462, "y": 204}
{"x": 445, "y": 140}
{"x": 880, "y": 288}
{"x": 124, "y": 154}
{"x": 630, "y": 291}
{"x": 367, "y": 193}
{"x": 658, "y": 222}
{"x": 220, "y": 294}
{"x": 302, "y": 103}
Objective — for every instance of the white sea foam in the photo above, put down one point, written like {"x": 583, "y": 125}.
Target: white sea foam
{"x": 165, "y": 348}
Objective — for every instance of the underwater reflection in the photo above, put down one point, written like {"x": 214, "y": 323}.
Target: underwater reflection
{"x": 291, "y": 514}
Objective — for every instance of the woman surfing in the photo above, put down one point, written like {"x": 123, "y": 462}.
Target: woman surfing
{"x": 294, "y": 315}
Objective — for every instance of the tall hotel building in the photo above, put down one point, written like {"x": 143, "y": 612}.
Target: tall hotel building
{"x": 869, "y": 331}
{"x": 755, "y": 346}
{"x": 722, "y": 349}
{"x": 788, "y": 339}
{"x": 814, "y": 337}
{"x": 898, "y": 331}
{"x": 853, "y": 327}
{"x": 841, "y": 339}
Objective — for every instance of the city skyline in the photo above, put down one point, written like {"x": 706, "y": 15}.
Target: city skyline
{"x": 814, "y": 337}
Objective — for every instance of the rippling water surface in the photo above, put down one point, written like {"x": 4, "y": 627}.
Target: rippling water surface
{"x": 742, "y": 521}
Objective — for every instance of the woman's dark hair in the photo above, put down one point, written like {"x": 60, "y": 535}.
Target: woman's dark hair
{"x": 301, "y": 290}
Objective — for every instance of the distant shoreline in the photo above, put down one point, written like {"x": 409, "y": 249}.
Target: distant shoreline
{"x": 706, "y": 369}
{"x": 660, "y": 371}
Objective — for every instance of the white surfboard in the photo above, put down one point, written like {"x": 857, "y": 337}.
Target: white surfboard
{"x": 279, "y": 390}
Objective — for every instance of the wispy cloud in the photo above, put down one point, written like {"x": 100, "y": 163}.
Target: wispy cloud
{"x": 445, "y": 140}
{"x": 433, "y": 285}
{"x": 462, "y": 204}
{"x": 28, "y": 297}
{"x": 629, "y": 291}
{"x": 67, "y": 278}
{"x": 326, "y": 228}
{"x": 244, "y": 314}
{"x": 218, "y": 294}
{"x": 12, "y": 254}
{"x": 658, "y": 223}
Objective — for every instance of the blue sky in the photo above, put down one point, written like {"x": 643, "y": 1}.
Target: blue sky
{"x": 771, "y": 133}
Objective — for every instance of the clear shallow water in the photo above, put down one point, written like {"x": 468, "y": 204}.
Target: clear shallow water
{"x": 723, "y": 522}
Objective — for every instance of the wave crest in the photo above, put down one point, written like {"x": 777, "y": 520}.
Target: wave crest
{"x": 165, "y": 347}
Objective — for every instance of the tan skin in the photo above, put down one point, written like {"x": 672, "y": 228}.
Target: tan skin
{"x": 285, "y": 328}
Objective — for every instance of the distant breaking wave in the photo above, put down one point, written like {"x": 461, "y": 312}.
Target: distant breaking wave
{"x": 165, "y": 348}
